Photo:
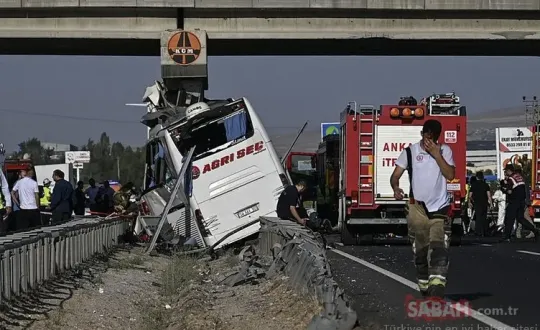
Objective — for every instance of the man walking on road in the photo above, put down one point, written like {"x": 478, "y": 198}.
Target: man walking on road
{"x": 25, "y": 194}
{"x": 480, "y": 196}
{"x": 515, "y": 203}
{"x": 428, "y": 206}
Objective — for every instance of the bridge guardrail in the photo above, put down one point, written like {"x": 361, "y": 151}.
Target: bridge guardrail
{"x": 28, "y": 259}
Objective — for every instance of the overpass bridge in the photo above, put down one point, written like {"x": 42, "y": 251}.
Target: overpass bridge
{"x": 274, "y": 27}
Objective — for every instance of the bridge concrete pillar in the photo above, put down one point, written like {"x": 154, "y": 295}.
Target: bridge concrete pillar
{"x": 184, "y": 65}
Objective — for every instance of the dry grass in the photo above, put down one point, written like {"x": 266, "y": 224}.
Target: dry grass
{"x": 132, "y": 261}
{"x": 180, "y": 272}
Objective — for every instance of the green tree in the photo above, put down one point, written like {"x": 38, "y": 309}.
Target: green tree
{"x": 38, "y": 154}
{"x": 113, "y": 161}
{"x": 109, "y": 161}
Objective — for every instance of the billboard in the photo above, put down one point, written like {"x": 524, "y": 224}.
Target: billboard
{"x": 514, "y": 146}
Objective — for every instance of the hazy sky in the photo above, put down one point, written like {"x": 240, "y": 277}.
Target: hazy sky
{"x": 70, "y": 99}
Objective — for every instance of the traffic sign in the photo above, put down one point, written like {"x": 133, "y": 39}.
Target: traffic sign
{"x": 78, "y": 165}
{"x": 77, "y": 157}
{"x": 330, "y": 129}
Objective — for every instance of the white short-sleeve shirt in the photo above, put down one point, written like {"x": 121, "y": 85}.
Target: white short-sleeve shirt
{"x": 428, "y": 182}
{"x": 27, "y": 189}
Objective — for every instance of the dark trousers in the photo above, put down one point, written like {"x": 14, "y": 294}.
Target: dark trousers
{"x": 27, "y": 219}
{"x": 481, "y": 222}
{"x": 59, "y": 217}
{"x": 45, "y": 218}
{"x": 516, "y": 211}
{"x": 3, "y": 223}
{"x": 79, "y": 209}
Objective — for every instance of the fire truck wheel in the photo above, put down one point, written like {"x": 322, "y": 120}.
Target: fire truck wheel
{"x": 347, "y": 238}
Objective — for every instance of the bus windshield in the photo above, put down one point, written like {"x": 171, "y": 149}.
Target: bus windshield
{"x": 216, "y": 134}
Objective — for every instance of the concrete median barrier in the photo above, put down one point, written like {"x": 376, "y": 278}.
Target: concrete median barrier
{"x": 300, "y": 254}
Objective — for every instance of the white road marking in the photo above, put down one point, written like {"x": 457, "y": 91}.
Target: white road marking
{"x": 529, "y": 252}
{"x": 484, "y": 244}
{"x": 475, "y": 314}
{"x": 339, "y": 243}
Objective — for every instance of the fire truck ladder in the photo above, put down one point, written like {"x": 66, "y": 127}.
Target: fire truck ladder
{"x": 368, "y": 117}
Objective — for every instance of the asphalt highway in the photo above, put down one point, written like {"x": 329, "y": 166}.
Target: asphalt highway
{"x": 497, "y": 281}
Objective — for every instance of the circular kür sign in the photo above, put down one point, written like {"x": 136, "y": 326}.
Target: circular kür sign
{"x": 184, "y": 47}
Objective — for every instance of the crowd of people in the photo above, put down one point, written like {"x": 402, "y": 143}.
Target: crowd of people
{"x": 511, "y": 201}
{"x": 26, "y": 204}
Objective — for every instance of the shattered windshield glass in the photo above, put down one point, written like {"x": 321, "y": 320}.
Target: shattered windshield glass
{"x": 216, "y": 134}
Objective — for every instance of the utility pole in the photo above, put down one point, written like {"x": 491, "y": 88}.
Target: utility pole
{"x": 118, "y": 167}
{"x": 532, "y": 111}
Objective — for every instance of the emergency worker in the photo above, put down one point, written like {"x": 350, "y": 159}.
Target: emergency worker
{"x": 5, "y": 203}
{"x": 526, "y": 215}
{"x": 45, "y": 200}
{"x": 289, "y": 206}
{"x": 515, "y": 206}
{"x": 499, "y": 197}
{"x": 480, "y": 195}
{"x": 430, "y": 165}
{"x": 121, "y": 199}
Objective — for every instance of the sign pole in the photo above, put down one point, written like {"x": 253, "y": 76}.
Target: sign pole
{"x": 78, "y": 174}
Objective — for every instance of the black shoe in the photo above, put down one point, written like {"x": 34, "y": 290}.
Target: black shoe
{"x": 436, "y": 291}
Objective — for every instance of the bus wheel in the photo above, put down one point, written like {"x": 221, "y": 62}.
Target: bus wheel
{"x": 347, "y": 238}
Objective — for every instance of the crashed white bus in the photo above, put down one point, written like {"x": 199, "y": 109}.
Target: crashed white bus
{"x": 236, "y": 175}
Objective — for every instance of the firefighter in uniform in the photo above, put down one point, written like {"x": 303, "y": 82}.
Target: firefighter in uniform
{"x": 121, "y": 200}
{"x": 516, "y": 204}
{"x": 430, "y": 165}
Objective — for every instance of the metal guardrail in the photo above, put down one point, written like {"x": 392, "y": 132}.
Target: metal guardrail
{"x": 28, "y": 259}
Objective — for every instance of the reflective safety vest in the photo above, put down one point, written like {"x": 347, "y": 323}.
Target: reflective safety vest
{"x": 46, "y": 199}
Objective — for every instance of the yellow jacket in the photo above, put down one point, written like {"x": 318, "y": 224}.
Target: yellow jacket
{"x": 46, "y": 199}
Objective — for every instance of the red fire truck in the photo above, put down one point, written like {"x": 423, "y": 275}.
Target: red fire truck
{"x": 301, "y": 166}
{"x": 535, "y": 174}
{"x": 12, "y": 167}
{"x": 371, "y": 140}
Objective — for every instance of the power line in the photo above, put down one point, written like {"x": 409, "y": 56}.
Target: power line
{"x": 55, "y": 115}
{"x": 118, "y": 121}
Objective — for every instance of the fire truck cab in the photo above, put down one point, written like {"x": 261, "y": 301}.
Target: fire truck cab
{"x": 302, "y": 167}
{"x": 12, "y": 167}
{"x": 370, "y": 142}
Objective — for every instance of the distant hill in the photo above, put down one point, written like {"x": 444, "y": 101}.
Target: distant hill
{"x": 309, "y": 142}
{"x": 481, "y": 126}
